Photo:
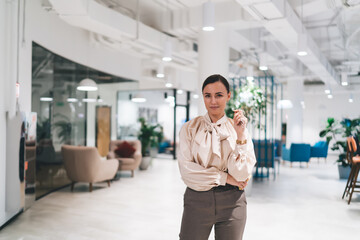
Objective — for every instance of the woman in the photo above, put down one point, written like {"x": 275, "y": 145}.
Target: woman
{"x": 216, "y": 158}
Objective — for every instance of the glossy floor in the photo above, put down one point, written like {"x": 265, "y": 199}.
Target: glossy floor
{"x": 302, "y": 203}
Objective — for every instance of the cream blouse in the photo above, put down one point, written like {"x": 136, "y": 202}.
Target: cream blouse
{"x": 208, "y": 152}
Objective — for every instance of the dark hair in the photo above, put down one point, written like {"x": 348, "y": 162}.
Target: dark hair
{"x": 216, "y": 78}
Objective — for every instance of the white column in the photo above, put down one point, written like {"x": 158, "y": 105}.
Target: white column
{"x": 2, "y": 110}
{"x": 294, "y": 128}
{"x": 213, "y": 58}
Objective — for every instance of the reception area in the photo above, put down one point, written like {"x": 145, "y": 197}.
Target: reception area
{"x": 96, "y": 92}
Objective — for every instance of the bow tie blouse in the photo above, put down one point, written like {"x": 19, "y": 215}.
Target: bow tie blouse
{"x": 208, "y": 152}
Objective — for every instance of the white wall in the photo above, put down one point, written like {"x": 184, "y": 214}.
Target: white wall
{"x": 107, "y": 92}
{"x": 318, "y": 108}
{"x": 128, "y": 111}
{"x": 2, "y": 111}
{"x": 10, "y": 137}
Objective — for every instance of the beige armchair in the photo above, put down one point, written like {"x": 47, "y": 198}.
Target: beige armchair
{"x": 83, "y": 164}
{"x": 131, "y": 163}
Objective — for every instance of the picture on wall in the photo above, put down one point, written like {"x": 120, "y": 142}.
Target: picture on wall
{"x": 149, "y": 114}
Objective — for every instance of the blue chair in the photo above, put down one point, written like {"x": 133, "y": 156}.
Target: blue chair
{"x": 298, "y": 152}
{"x": 319, "y": 150}
{"x": 265, "y": 157}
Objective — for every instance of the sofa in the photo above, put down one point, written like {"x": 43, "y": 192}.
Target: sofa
{"x": 319, "y": 150}
{"x": 298, "y": 152}
{"x": 126, "y": 163}
{"x": 84, "y": 164}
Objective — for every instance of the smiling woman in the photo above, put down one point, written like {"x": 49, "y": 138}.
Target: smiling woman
{"x": 216, "y": 159}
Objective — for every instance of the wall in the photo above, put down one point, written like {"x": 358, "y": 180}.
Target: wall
{"x": 318, "y": 108}
{"x": 2, "y": 111}
{"x": 9, "y": 151}
{"x": 107, "y": 92}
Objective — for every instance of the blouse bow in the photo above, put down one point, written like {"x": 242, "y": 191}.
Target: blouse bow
{"x": 209, "y": 139}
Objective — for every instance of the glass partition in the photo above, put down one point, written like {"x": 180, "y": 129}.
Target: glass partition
{"x": 65, "y": 114}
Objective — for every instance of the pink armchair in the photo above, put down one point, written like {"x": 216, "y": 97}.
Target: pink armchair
{"x": 83, "y": 164}
{"x": 131, "y": 163}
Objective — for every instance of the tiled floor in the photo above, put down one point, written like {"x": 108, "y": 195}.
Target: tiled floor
{"x": 302, "y": 203}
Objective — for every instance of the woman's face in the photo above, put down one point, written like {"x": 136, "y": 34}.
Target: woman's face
{"x": 215, "y": 98}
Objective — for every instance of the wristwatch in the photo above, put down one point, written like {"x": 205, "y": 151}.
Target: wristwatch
{"x": 241, "y": 142}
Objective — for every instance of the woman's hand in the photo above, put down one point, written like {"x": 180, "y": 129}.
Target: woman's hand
{"x": 231, "y": 180}
{"x": 240, "y": 122}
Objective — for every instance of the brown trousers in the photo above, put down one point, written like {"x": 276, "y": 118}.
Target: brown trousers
{"x": 224, "y": 207}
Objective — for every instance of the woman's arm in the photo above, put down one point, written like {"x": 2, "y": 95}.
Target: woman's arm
{"x": 242, "y": 161}
{"x": 193, "y": 174}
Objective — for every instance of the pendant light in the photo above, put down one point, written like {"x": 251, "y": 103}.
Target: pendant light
{"x": 250, "y": 73}
{"x": 262, "y": 62}
{"x": 160, "y": 71}
{"x": 208, "y": 16}
{"x": 47, "y": 98}
{"x": 344, "y": 77}
{"x": 302, "y": 43}
{"x": 87, "y": 84}
{"x": 167, "y": 55}
{"x": 138, "y": 98}
{"x": 351, "y": 99}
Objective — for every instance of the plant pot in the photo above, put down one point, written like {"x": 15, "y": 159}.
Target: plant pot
{"x": 344, "y": 172}
{"x": 145, "y": 162}
{"x": 153, "y": 152}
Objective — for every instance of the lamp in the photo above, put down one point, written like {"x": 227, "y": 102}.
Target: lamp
{"x": 71, "y": 99}
{"x": 99, "y": 99}
{"x": 167, "y": 51}
{"x": 208, "y": 16}
{"x": 284, "y": 104}
{"x": 89, "y": 100}
{"x": 344, "y": 77}
{"x": 46, "y": 99}
{"x": 351, "y": 99}
{"x": 138, "y": 98}
{"x": 180, "y": 91}
{"x": 170, "y": 99}
{"x": 87, "y": 84}
{"x": 262, "y": 62}
{"x": 250, "y": 73}
{"x": 160, "y": 71}
{"x": 301, "y": 51}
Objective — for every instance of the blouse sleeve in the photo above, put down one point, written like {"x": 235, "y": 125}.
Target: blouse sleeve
{"x": 193, "y": 174}
{"x": 242, "y": 161}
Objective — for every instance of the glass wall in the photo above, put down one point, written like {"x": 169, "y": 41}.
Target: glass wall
{"x": 156, "y": 107}
{"x": 65, "y": 115}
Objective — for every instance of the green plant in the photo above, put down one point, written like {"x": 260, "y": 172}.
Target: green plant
{"x": 338, "y": 131}
{"x": 64, "y": 128}
{"x": 43, "y": 129}
{"x": 149, "y": 135}
{"x": 251, "y": 99}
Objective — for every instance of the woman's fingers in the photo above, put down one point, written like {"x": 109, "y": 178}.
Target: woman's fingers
{"x": 242, "y": 184}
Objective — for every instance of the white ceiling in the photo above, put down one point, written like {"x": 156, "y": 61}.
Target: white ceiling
{"x": 333, "y": 28}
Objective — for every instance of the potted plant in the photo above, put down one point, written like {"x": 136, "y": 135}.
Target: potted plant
{"x": 251, "y": 99}
{"x": 63, "y": 128}
{"x": 335, "y": 130}
{"x": 149, "y": 136}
